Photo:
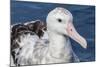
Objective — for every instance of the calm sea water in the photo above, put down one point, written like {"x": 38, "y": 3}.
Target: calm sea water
{"x": 84, "y": 22}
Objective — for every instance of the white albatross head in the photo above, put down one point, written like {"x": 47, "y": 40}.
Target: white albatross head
{"x": 60, "y": 21}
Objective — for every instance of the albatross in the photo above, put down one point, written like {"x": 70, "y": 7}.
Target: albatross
{"x": 38, "y": 43}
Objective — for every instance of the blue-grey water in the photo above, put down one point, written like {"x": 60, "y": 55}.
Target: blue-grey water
{"x": 84, "y": 22}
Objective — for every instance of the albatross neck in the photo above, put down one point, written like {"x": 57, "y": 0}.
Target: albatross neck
{"x": 58, "y": 44}
{"x": 57, "y": 40}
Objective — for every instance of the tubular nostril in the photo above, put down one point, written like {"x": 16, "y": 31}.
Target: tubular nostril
{"x": 70, "y": 29}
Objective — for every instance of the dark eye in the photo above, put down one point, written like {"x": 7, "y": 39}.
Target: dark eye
{"x": 59, "y": 20}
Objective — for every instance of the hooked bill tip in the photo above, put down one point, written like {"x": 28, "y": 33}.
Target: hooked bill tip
{"x": 85, "y": 44}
